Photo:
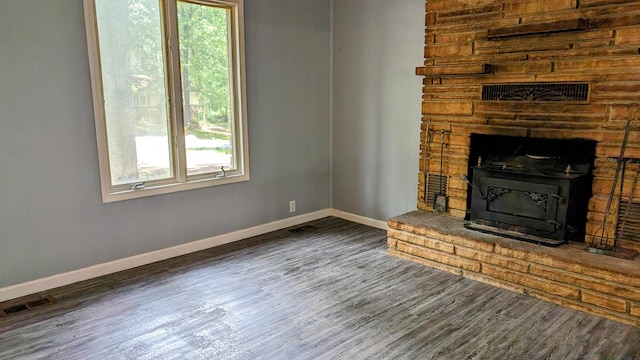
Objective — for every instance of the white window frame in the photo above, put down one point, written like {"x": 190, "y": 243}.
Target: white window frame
{"x": 179, "y": 182}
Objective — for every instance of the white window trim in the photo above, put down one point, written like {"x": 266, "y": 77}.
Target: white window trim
{"x": 178, "y": 183}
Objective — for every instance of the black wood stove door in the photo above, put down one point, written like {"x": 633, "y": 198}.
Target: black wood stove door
{"x": 531, "y": 204}
{"x": 521, "y": 203}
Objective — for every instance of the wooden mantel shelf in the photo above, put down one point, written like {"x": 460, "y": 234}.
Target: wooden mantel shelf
{"x": 538, "y": 29}
{"x": 455, "y": 69}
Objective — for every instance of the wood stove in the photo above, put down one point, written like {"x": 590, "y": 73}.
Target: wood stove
{"x": 537, "y": 197}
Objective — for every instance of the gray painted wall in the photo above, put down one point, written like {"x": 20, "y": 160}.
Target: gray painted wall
{"x": 377, "y": 44}
{"x": 52, "y": 219}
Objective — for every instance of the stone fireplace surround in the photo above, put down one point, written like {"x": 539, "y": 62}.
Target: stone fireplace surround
{"x": 470, "y": 43}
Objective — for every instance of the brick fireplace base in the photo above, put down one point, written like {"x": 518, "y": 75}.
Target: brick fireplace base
{"x": 566, "y": 275}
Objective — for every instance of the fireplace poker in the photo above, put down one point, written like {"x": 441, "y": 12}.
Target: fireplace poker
{"x": 475, "y": 189}
{"x": 619, "y": 162}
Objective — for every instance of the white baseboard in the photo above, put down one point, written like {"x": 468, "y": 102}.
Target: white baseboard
{"x": 359, "y": 219}
{"x": 51, "y": 282}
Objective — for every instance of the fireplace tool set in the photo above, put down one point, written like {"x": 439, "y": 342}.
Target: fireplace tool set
{"x": 600, "y": 245}
{"x": 425, "y": 163}
{"x": 440, "y": 202}
{"x": 439, "y": 199}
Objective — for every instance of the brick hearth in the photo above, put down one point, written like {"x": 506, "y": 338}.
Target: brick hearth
{"x": 567, "y": 276}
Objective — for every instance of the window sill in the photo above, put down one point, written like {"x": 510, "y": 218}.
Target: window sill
{"x": 108, "y": 196}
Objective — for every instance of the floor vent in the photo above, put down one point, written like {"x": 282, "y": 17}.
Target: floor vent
{"x": 39, "y": 302}
{"x": 12, "y": 309}
{"x": 302, "y": 229}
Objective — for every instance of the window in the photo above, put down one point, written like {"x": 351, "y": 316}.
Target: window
{"x": 168, "y": 93}
{"x": 140, "y": 99}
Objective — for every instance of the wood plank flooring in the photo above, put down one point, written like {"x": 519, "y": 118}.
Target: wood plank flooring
{"x": 329, "y": 292}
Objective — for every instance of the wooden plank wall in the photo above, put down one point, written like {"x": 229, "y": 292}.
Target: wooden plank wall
{"x": 604, "y": 54}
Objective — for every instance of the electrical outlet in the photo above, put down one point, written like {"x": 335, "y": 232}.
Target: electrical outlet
{"x": 292, "y": 206}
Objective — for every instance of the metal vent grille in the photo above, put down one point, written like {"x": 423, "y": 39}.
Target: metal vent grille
{"x": 631, "y": 229}
{"x": 434, "y": 187}
{"x": 24, "y": 306}
{"x": 15, "y": 309}
{"x": 566, "y": 92}
{"x": 39, "y": 302}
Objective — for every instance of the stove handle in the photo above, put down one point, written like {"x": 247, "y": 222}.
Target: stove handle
{"x": 557, "y": 224}
{"x": 560, "y": 198}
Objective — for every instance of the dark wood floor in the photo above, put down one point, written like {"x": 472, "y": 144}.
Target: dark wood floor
{"x": 326, "y": 293}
